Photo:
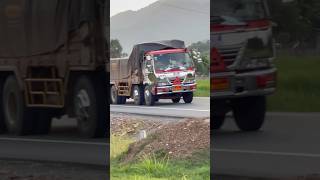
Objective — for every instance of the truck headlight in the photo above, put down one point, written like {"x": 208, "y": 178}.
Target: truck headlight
{"x": 190, "y": 81}
{"x": 162, "y": 82}
{"x": 190, "y": 78}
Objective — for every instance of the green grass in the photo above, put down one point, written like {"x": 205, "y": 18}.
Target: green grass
{"x": 203, "y": 88}
{"x": 119, "y": 145}
{"x": 298, "y": 85}
{"x": 157, "y": 167}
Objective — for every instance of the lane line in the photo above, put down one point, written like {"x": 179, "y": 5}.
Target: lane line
{"x": 179, "y": 109}
{"x": 54, "y": 141}
{"x": 309, "y": 155}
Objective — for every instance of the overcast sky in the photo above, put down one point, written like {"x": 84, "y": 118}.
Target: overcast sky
{"x": 118, "y": 6}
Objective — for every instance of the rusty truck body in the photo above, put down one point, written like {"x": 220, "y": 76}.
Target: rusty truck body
{"x": 160, "y": 70}
{"x": 52, "y": 62}
{"x": 242, "y": 54}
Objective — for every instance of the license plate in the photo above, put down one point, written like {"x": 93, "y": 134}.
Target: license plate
{"x": 177, "y": 88}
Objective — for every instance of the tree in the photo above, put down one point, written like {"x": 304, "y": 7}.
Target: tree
{"x": 296, "y": 21}
{"x": 115, "y": 48}
{"x": 204, "y": 48}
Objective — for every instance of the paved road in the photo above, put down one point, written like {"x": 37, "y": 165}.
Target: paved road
{"x": 62, "y": 145}
{"x": 199, "y": 108}
{"x": 287, "y": 146}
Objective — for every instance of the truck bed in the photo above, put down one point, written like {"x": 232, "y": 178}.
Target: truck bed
{"x": 119, "y": 70}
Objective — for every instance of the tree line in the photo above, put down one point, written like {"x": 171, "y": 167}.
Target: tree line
{"x": 297, "y": 23}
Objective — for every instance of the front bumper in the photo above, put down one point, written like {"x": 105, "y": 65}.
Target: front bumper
{"x": 175, "y": 89}
{"x": 253, "y": 83}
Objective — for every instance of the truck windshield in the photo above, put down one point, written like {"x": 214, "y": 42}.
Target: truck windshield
{"x": 224, "y": 11}
{"x": 173, "y": 62}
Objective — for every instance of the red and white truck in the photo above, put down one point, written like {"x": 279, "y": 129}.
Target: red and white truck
{"x": 159, "y": 70}
{"x": 242, "y": 55}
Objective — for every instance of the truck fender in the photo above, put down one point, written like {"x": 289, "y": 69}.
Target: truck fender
{"x": 10, "y": 70}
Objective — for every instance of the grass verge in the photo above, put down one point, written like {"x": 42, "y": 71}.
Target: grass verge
{"x": 298, "y": 85}
{"x": 156, "y": 167}
{"x": 203, "y": 88}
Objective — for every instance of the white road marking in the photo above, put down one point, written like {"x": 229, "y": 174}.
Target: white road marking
{"x": 178, "y": 109}
{"x": 308, "y": 155}
{"x": 54, "y": 141}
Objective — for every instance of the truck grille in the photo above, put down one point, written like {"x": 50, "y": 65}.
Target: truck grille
{"x": 229, "y": 54}
{"x": 172, "y": 80}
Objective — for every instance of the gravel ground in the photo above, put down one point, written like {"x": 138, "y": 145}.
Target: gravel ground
{"x": 25, "y": 170}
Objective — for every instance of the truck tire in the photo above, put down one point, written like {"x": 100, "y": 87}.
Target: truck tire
{"x": 2, "y": 123}
{"x": 17, "y": 116}
{"x": 176, "y": 100}
{"x": 218, "y": 121}
{"x": 148, "y": 96}
{"x": 114, "y": 95}
{"x": 249, "y": 112}
{"x": 89, "y": 103}
{"x": 138, "y": 95}
{"x": 188, "y": 97}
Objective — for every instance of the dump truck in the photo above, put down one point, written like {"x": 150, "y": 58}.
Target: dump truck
{"x": 242, "y": 62}
{"x": 157, "y": 70}
{"x": 53, "y": 62}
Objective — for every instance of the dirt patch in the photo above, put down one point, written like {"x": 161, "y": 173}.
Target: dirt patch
{"x": 177, "y": 140}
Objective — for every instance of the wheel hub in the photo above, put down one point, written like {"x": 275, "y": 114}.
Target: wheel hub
{"x": 82, "y": 104}
{"x": 136, "y": 93}
{"x": 12, "y": 108}
{"x": 147, "y": 93}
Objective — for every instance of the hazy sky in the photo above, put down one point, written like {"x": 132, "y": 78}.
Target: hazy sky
{"x": 118, "y": 6}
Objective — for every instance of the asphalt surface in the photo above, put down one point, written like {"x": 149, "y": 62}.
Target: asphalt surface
{"x": 199, "y": 108}
{"x": 63, "y": 144}
{"x": 287, "y": 146}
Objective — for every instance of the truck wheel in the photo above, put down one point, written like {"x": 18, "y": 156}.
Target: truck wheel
{"x": 2, "y": 123}
{"x": 114, "y": 95}
{"x": 90, "y": 107}
{"x": 217, "y": 121}
{"x": 138, "y": 95}
{"x": 17, "y": 118}
{"x": 188, "y": 97}
{"x": 249, "y": 112}
{"x": 148, "y": 96}
{"x": 176, "y": 100}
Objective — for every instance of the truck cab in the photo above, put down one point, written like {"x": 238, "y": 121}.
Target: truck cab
{"x": 171, "y": 73}
{"x": 242, "y": 55}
